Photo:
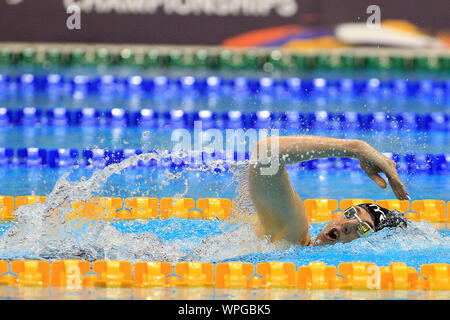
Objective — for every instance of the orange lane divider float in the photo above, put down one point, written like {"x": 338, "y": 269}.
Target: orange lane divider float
{"x": 69, "y": 273}
{"x": 277, "y": 274}
{"x": 234, "y": 274}
{"x": 33, "y": 273}
{"x": 75, "y": 274}
{"x": 347, "y": 203}
{"x": 141, "y": 208}
{"x": 240, "y": 215}
{"x": 110, "y": 274}
{"x": 193, "y": 274}
{"x": 29, "y": 200}
{"x": 178, "y": 208}
{"x": 215, "y": 207}
{"x": 103, "y": 208}
{"x": 448, "y": 211}
{"x": 151, "y": 274}
{"x": 6, "y": 208}
{"x": 209, "y": 208}
{"x": 398, "y": 276}
{"x": 391, "y": 204}
{"x": 6, "y": 279}
{"x": 318, "y": 210}
{"x": 428, "y": 210}
{"x": 317, "y": 275}
{"x": 358, "y": 275}
{"x": 436, "y": 276}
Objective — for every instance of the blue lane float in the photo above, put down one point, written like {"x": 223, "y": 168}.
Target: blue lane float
{"x": 32, "y": 157}
{"x": 149, "y": 118}
{"x": 98, "y": 158}
{"x": 294, "y": 86}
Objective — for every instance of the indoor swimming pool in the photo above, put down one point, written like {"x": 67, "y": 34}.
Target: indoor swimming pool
{"x": 75, "y": 133}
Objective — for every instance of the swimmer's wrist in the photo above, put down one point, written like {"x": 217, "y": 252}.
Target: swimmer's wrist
{"x": 356, "y": 147}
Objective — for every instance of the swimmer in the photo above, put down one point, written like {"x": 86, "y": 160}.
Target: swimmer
{"x": 281, "y": 212}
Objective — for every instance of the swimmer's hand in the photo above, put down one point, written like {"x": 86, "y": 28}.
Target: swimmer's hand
{"x": 373, "y": 162}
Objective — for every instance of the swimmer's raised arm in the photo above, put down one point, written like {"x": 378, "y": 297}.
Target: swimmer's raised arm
{"x": 281, "y": 211}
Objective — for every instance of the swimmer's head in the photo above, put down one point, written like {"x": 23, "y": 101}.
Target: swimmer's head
{"x": 359, "y": 221}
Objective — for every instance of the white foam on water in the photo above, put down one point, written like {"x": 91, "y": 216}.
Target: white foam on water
{"x": 241, "y": 239}
{"x": 41, "y": 231}
{"x": 417, "y": 237}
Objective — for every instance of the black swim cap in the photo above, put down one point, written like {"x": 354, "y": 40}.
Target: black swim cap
{"x": 383, "y": 217}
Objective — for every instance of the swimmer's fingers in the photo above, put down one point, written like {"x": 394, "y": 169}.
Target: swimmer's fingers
{"x": 378, "y": 180}
{"x": 388, "y": 167}
{"x": 399, "y": 190}
{"x": 390, "y": 170}
{"x": 397, "y": 185}
{"x": 372, "y": 172}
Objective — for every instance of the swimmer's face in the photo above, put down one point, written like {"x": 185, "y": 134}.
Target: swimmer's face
{"x": 341, "y": 229}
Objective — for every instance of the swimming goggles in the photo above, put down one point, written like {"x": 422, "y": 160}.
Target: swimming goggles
{"x": 363, "y": 228}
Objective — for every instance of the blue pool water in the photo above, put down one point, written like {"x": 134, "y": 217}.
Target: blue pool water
{"x": 326, "y": 184}
{"x": 217, "y": 101}
{"x": 150, "y": 183}
{"x": 49, "y": 137}
{"x": 214, "y": 241}
{"x": 178, "y": 239}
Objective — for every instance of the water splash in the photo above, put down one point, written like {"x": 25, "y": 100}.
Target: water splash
{"x": 41, "y": 230}
{"x": 419, "y": 244}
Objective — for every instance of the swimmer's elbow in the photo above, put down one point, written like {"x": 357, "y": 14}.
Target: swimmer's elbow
{"x": 262, "y": 146}
{"x": 265, "y": 158}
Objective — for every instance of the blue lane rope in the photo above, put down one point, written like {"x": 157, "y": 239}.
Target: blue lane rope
{"x": 294, "y": 86}
{"x": 149, "y": 118}
{"x": 98, "y": 158}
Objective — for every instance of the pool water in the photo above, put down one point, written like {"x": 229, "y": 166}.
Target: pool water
{"x": 151, "y": 183}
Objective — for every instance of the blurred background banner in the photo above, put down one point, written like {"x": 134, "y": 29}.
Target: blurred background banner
{"x": 202, "y": 22}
